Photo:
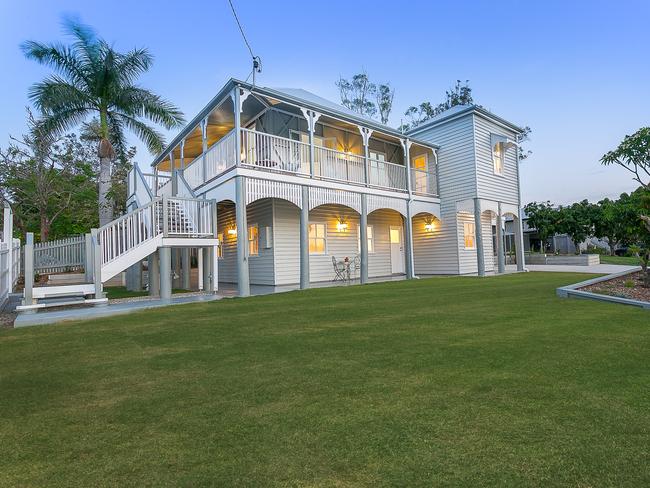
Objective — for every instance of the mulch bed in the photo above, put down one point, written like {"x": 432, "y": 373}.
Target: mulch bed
{"x": 628, "y": 286}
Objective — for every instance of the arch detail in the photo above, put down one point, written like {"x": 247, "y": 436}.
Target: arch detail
{"x": 323, "y": 196}
{"x": 258, "y": 189}
{"x": 377, "y": 202}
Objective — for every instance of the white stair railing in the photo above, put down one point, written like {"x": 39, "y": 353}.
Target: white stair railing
{"x": 170, "y": 217}
{"x": 131, "y": 230}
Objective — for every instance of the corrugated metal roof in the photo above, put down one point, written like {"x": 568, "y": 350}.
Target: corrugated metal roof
{"x": 460, "y": 109}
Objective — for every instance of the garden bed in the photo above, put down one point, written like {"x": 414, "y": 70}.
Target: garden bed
{"x": 629, "y": 286}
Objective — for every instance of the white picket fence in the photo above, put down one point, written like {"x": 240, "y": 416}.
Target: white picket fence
{"x": 9, "y": 257}
{"x": 60, "y": 255}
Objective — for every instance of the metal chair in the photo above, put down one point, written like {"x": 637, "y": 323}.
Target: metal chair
{"x": 339, "y": 270}
{"x": 355, "y": 265}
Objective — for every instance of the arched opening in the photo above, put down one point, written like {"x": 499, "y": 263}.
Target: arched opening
{"x": 427, "y": 234}
{"x": 387, "y": 243}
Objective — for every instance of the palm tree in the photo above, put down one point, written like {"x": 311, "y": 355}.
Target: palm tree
{"x": 91, "y": 79}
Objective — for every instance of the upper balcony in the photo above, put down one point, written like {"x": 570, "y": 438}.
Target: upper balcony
{"x": 297, "y": 137}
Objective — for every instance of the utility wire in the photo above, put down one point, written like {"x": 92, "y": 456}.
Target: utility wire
{"x": 241, "y": 29}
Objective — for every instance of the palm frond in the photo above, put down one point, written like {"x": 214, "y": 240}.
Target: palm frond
{"x": 58, "y": 57}
{"x": 132, "y": 64}
{"x": 55, "y": 94}
{"x": 153, "y": 139}
{"x": 86, "y": 45}
{"x": 63, "y": 120}
{"x": 139, "y": 102}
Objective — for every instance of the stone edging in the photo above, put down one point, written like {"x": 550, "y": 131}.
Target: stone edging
{"x": 572, "y": 291}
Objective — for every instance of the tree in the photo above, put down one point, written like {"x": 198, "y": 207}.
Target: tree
{"x": 576, "y": 220}
{"x": 47, "y": 181}
{"x": 93, "y": 79}
{"x": 459, "y": 94}
{"x": 608, "y": 224}
{"x": 384, "y": 95}
{"x": 543, "y": 218}
{"x": 357, "y": 94}
{"x": 633, "y": 155}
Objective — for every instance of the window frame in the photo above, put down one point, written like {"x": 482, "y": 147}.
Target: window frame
{"x": 371, "y": 238}
{"x": 316, "y": 238}
{"x": 255, "y": 241}
{"x": 467, "y": 234}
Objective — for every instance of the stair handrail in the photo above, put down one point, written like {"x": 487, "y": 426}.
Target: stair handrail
{"x": 128, "y": 231}
{"x": 137, "y": 179}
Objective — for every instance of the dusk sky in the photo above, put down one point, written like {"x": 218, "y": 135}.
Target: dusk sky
{"x": 577, "y": 73}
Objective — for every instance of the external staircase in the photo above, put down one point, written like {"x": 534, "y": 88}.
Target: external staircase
{"x": 155, "y": 222}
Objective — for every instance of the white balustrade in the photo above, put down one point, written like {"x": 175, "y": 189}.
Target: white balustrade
{"x": 337, "y": 165}
{"x": 387, "y": 175}
{"x": 189, "y": 217}
{"x": 219, "y": 157}
{"x": 171, "y": 217}
{"x": 193, "y": 173}
{"x": 266, "y": 151}
{"x": 119, "y": 236}
{"x": 424, "y": 182}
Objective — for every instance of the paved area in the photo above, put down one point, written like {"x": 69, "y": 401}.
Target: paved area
{"x": 598, "y": 268}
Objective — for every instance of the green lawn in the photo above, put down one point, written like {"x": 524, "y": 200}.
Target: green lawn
{"x": 437, "y": 382}
{"x": 626, "y": 260}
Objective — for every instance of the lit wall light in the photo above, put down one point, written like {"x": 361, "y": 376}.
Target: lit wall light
{"x": 341, "y": 226}
{"x": 429, "y": 226}
{"x": 232, "y": 231}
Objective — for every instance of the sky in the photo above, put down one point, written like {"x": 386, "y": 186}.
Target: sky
{"x": 575, "y": 72}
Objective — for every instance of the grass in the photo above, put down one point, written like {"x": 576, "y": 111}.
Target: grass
{"x": 436, "y": 382}
{"x": 625, "y": 260}
{"x": 113, "y": 292}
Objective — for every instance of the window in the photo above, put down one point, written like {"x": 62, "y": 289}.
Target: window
{"x": 497, "y": 158}
{"x": 470, "y": 235}
{"x": 317, "y": 238}
{"x": 371, "y": 239}
{"x": 377, "y": 156}
{"x": 421, "y": 176}
{"x": 220, "y": 246}
{"x": 253, "y": 240}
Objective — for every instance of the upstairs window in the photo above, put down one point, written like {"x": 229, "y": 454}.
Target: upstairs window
{"x": 470, "y": 235}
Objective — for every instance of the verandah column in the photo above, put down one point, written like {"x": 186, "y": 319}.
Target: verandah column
{"x": 410, "y": 263}
{"x": 363, "y": 238}
{"x": 204, "y": 149}
{"x": 478, "y": 237}
{"x": 304, "y": 239}
{"x": 154, "y": 274}
{"x": 501, "y": 259}
{"x": 165, "y": 273}
{"x": 242, "y": 241}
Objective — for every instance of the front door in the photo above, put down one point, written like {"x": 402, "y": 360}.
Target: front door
{"x": 396, "y": 250}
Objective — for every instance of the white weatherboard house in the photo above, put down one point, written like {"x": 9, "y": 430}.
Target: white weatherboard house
{"x": 281, "y": 187}
{"x": 301, "y": 183}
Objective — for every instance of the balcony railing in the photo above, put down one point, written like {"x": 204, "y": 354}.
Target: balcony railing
{"x": 266, "y": 152}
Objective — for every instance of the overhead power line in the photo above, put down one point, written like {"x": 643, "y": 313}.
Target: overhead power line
{"x": 257, "y": 62}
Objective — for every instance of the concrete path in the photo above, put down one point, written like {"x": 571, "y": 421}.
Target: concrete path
{"x": 50, "y": 317}
{"x": 598, "y": 268}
